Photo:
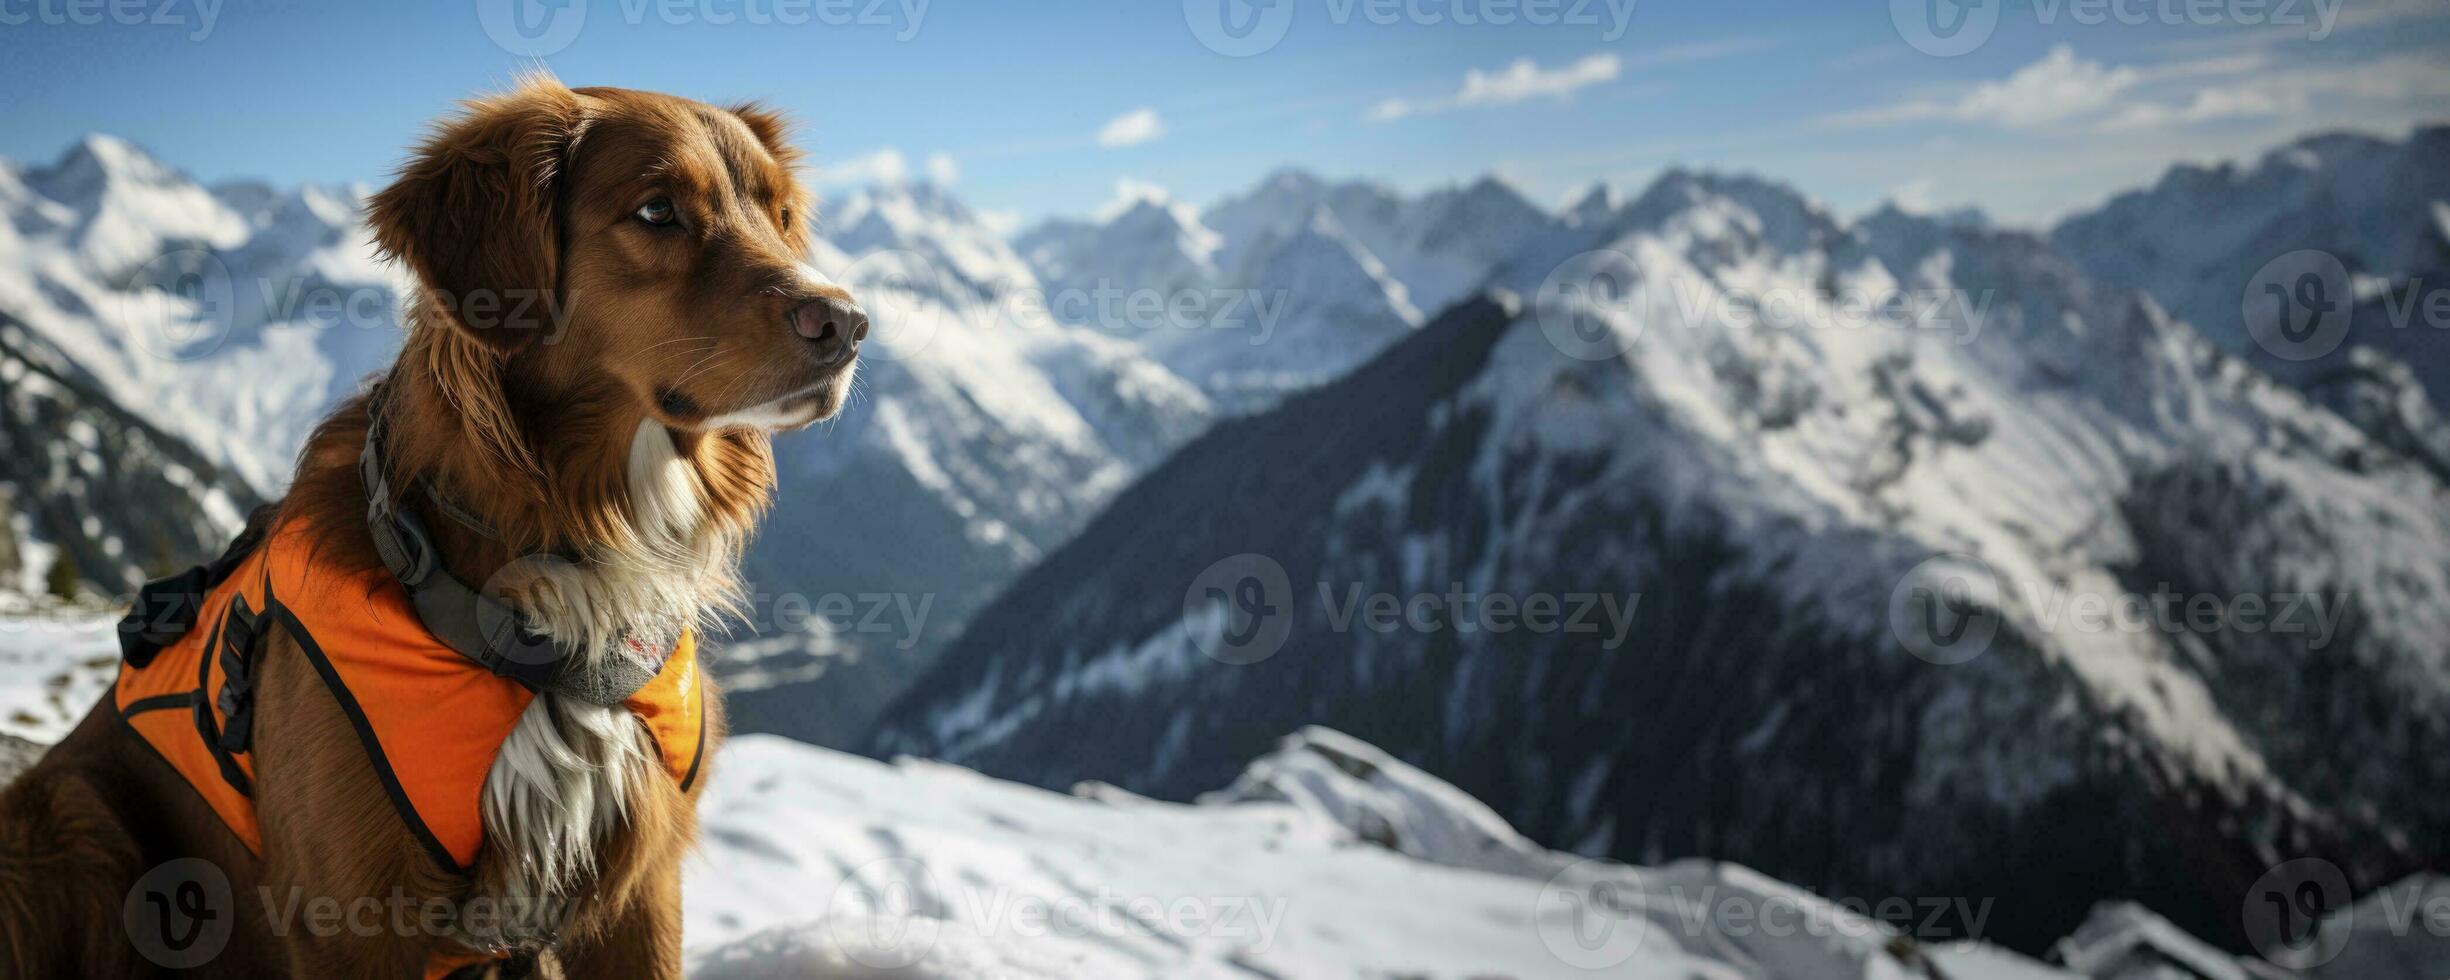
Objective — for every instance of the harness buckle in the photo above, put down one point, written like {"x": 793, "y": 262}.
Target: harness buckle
{"x": 240, "y": 640}
{"x": 164, "y": 610}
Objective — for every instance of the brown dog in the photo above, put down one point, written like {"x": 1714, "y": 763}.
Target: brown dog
{"x": 615, "y": 312}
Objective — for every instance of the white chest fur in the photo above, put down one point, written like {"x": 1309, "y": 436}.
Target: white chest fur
{"x": 560, "y": 786}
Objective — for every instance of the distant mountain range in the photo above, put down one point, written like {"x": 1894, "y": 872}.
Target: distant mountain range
{"x": 2326, "y": 263}
{"x": 1810, "y": 456}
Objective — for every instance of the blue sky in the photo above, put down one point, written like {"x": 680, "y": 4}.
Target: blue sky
{"x": 1033, "y": 109}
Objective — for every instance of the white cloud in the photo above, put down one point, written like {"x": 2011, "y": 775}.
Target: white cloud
{"x": 1525, "y": 80}
{"x": 2378, "y": 88}
{"x": 1517, "y": 82}
{"x": 2209, "y": 104}
{"x": 884, "y": 166}
{"x": 2063, "y": 93}
{"x": 941, "y": 170}
{"x": 1137, "y": 126}
{"x": 1392, "y": 109}
{"x": 2054, "y": 90}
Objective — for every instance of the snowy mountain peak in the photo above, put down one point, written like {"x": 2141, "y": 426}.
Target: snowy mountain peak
{"x": 1736, "y": 211}
{"x": 1319, "y": 303}
{"x": 1150, "y": 243}
{"x": 1321, "y": 265}
{"x": 1595, "y": 207}
{"x": 1286, "y": 197}
{"x": 1152, "y": 222}
{"x": 1891, "y": 210}
{"x": 1693, "y": 185}
{"x": 1487, "y": 204}
{"x": 1492, "y": 190}
{"x": 2198, "y": 239}
{"x": 122, "y": 206}
{"x": 2328, "y": 150}
{"x": 922, "y": 197}
{"x": 96, "y": 162}
{"x": 957, "y": 248}
{"x": 1292, "y": 180}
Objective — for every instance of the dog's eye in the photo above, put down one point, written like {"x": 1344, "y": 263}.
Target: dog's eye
{"x": 657, "y": 212}
{"x": 786, "y": 219}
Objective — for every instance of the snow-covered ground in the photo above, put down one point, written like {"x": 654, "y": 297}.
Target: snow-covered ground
{"x": 1328, "y": 859}
{"x": 55, "y": 662}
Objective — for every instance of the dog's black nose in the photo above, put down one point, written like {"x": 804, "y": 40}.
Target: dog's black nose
{"x": 835, "y": 324}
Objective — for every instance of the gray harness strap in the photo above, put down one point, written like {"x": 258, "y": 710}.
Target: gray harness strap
{"x": 480, "y": 627}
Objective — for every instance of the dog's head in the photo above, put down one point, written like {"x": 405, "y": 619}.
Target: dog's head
{"x": 604, "y": 236}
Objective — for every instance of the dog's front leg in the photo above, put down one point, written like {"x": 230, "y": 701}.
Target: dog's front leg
{"x": 348, "y": 891}
{"x": 640, "y": 940}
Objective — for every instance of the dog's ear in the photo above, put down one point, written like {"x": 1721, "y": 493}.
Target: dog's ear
{"x": 773, "y": 131}
{"x": 473, "y": 214}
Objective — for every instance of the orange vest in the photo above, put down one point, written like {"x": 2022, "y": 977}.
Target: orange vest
{"x": 431, "y": 720}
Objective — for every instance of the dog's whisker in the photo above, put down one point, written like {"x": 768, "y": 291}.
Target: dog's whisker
{"x": 668, "y": 357}
{"x": 666, "y": 343}
{"x": 702, "y": 364}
